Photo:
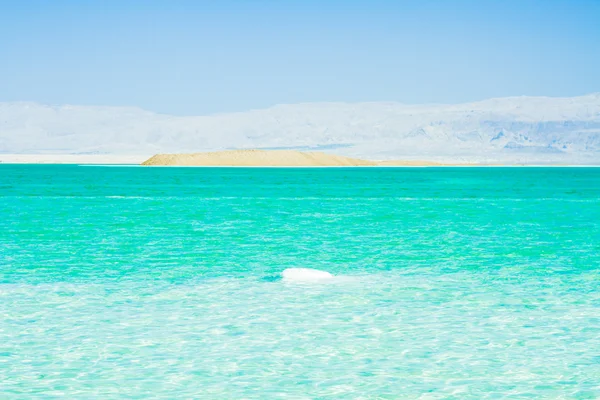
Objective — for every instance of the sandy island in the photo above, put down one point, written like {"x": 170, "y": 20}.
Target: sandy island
{"x": 270, "y": 158}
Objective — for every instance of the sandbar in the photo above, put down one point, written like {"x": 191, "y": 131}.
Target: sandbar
{"x": 271, "y": 158}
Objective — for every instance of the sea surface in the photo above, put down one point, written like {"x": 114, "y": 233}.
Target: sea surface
{"x": 450, "y": 283}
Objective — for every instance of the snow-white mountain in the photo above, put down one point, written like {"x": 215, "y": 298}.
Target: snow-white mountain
{"x": 527, "y": 129}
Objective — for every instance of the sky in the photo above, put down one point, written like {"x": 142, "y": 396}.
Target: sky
{"x": 205, "y": 57}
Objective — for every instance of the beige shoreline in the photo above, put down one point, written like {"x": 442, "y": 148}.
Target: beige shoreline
{"x": 250, "y": 158}
{"x": 293, "y": 158}
{"x": 272, "y": 158}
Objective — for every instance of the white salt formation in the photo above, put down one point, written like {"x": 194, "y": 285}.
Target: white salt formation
{"x": 305, "y": 275}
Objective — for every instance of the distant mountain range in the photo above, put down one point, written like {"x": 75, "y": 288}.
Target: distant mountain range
{"x": 516, "y": 129}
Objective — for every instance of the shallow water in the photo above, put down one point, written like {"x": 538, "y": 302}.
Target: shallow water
{"x": 164, "y": 283}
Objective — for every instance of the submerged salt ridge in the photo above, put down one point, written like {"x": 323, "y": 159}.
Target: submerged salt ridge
{"x": 384, "y": 335}
{"x": 160, "y": 292}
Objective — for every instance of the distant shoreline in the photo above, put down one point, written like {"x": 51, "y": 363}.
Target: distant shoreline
{"x": 232, "y": 159}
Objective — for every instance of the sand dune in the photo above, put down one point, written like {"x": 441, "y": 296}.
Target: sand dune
{"x": 268, "y": 158}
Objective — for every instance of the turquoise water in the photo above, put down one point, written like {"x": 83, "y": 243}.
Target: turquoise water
{"x": 459, "y": 283}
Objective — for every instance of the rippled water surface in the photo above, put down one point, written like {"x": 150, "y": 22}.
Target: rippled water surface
{"x": 124, "y": 282}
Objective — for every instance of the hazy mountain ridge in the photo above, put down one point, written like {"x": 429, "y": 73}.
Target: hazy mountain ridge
{"x": 515, "y": 128}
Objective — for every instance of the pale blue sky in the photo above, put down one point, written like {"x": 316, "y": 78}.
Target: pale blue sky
{"x": 202, "y": 57}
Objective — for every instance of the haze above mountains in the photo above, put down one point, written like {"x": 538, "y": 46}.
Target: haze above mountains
{"x": 514, "y": 129}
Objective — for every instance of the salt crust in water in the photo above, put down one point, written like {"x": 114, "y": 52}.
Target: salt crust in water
{"x": 305, "y": 275}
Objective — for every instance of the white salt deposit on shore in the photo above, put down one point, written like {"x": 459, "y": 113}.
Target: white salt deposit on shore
{"x": 71, "y": 159}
